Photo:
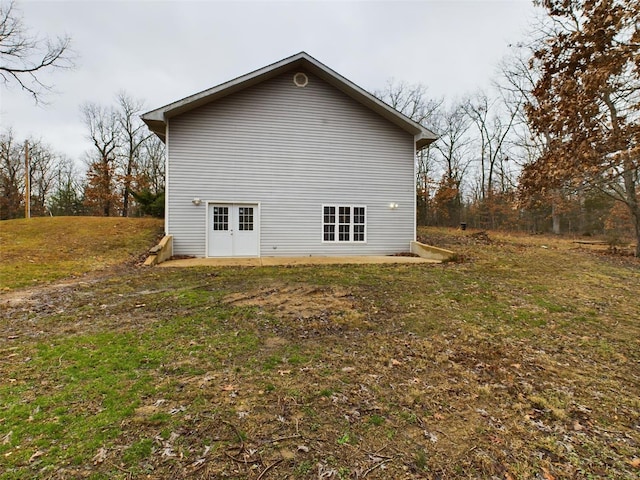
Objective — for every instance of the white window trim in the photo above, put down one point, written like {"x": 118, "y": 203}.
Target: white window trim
{"x": 337, "y": 224}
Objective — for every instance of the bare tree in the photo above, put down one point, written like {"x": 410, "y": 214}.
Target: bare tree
{"x": 43, "y": 163}
{"x": 410, "y": 100}
{"x": 516, "y": 83}
{"x": 100, "y": 192}
{"x": 11, "y": 177}
{"x": 493, "y": 127}
{"x": 66, "y": 198}
{"x": 452, "y": 153}
{"x": 454, "y": 141}
{"x": 126, "y": 166}
{"x": 152, "y": 165}
{"x": 23, "y": 56}
{"x": 133, "y": 135}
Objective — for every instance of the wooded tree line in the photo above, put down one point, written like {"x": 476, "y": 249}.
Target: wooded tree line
{"x": 554, "y": 145}
{"x": 124, "y": 170}
{"x": 125, "y": 174}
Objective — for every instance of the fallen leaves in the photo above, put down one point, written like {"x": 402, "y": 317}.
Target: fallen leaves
{"x": 432, "y": 437}
{"x": 287, "y": 454}
{"x": 202, "y": 459}
{"x": 635, "y": 462}
{"x": 6, "y": 439}
{"x": 37, "y": 454}
{"x": 177, "y": 410}
{"x": 100, "y": 457}
{"x": 166, "y": 445}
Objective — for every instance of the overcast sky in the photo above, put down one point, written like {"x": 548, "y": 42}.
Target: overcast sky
{"x": 161, "y": 51}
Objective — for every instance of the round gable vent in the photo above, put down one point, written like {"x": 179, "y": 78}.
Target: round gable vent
{"x": 300, "y": 79}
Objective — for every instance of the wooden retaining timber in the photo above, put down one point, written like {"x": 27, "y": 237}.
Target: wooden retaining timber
{"x": 430, "y": 252}
{"x": 161, "y": 252}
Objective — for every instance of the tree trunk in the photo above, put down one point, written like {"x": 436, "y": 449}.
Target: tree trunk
{"x": 127, "y": 182}
{"x": 555, "y": 217}
{"x": 635, "y": 217}
{"x": 632, "y": 198}
{"x": 125, "y": 200}
{"x": 637, "y": 222}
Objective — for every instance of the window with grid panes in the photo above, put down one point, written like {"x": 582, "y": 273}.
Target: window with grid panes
{"x": 245, "y": 218}
{"x": 220, "y": 218}
{"x": 343, "y": 223}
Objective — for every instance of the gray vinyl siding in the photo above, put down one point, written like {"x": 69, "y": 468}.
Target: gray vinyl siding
{"x": 292, "y": 150}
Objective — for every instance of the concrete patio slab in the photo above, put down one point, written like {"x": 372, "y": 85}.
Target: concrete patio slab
{"x": 274, "y": 261}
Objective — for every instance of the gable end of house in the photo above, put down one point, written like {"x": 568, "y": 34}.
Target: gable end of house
{"x": 157, "y": 119}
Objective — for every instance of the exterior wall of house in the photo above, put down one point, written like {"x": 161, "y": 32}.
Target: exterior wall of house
{"x": 291, "y": 149}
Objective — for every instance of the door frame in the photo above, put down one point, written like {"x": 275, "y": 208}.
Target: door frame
{"x": 257, "y": 223}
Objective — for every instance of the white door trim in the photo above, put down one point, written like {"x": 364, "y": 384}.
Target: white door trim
{"x": 257, "y": 220}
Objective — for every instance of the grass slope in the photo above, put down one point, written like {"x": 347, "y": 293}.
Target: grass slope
{"x": 38, "y": 250}
{"x": 519, "y": 363}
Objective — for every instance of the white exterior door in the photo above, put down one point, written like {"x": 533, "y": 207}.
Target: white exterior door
{"x": 233, "y": 230}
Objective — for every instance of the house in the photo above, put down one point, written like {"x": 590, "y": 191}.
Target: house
{"x": 289, "y": 160}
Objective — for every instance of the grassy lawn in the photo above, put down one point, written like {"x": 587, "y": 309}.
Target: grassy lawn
{"x": 39, "y": 250}
{"x": 520, "y": 362}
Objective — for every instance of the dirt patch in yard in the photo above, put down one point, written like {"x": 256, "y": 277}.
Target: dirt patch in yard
{"x": 34, "y": 295}
{"x": 295, "y": 302}
{"x": 306, "y": 311}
